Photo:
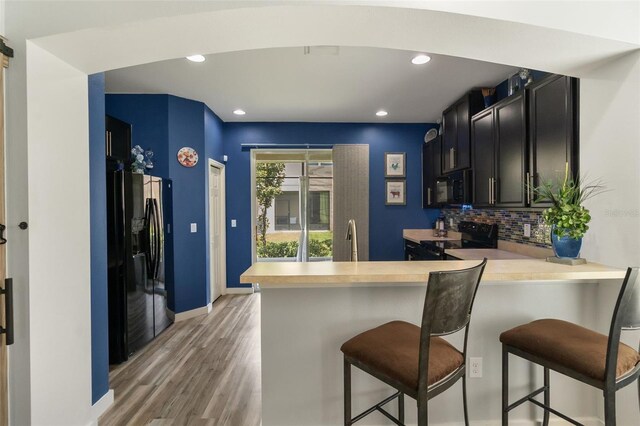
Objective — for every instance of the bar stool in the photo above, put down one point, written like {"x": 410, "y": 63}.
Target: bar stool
{"x": 412, "y": 359}
{"x": 577, "y": 352}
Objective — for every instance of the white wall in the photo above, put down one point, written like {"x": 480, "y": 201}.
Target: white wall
{"x": 59, "y": 261}
{"x": 610, "y": 149}
{"x": 59, "y": 357}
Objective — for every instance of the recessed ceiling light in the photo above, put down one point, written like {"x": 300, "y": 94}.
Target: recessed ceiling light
{"x": 196, "y": 58}
{"x": 420, "y": 59}
{"x": 381, "y": 113}
{"x": 239, "y": 112}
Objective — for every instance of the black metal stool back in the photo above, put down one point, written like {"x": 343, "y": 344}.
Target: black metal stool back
{"x": 447, "y": 310}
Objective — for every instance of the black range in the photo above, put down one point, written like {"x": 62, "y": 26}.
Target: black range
{"x": 474, "y": 235}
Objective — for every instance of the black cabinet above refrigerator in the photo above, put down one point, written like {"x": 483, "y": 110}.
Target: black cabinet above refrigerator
{"x": 117, "y": 139}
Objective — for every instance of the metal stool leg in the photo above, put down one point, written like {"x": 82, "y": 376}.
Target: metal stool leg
{"x": 347, "y": 393}
{"x": 547, "y": 397}
{"x": 401, "y": 407}
{"x": 610, "y": 407}
{"x": 464, "y": 399}
{"x": 505, "y": 387}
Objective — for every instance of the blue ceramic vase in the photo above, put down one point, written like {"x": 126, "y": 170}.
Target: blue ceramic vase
{"x": 566, "y": 246}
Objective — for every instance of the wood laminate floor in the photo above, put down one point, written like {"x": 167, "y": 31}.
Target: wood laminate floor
{"x": 202, "y": 371}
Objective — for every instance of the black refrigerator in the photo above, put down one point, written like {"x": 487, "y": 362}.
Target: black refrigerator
{"x": 140, "y": 270}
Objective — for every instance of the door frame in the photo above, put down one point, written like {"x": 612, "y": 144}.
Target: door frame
{"x": 252, "y": 164}
{"x": 223, "y": 230}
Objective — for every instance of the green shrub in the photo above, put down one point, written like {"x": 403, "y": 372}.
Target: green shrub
{"x": 317, "y": 248}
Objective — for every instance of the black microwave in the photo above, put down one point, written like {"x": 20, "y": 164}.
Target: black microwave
{"x": 454, "y": 189}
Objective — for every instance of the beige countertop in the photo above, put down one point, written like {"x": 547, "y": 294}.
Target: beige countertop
{"x": 347, "y": 274}
{"x": 479, "y": 254}
{"x": 418, "y": 235}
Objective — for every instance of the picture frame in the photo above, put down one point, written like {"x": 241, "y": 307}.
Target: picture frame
{"x": 395, "y": 164}
{"x": 395, "y": 192}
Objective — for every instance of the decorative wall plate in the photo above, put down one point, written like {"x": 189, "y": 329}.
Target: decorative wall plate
{"x": 430, "y": 135}
{"x": 187, "y": 156}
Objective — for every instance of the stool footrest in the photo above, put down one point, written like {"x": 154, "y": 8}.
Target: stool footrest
{"x": 379, "y": 408}
{"x": 526, "y": 398}
{"x": 552, "y": 411}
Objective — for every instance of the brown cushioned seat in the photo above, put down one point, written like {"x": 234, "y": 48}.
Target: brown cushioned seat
{"x": 392, "y": 349}
{"x": 569, "y": 345}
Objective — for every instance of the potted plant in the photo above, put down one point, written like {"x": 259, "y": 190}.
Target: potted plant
{"x": 567, "y": 215}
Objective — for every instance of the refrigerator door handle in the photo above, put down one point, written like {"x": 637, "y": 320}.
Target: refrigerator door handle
{"x": 153, "y": 239}
{"x": 147, "y": 246}
{"x": 158, "y": 231}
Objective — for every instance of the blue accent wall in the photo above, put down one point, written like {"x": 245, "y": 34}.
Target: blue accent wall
{"x": 186, "y": 128}
{"x": 166, "y": 123}
{"x": 98, "y": 237}
{"x": 385, "y": 222}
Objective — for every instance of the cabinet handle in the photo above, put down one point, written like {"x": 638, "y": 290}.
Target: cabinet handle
{"x": 489, "y": 190}
{"x": 453, "y": 157}
{"x": 531, "y": 185}
{"x": 528, "y": 188}
{"x": 451, "y": 166}
{"x": 110, "y": 145}
{"x": 495, "y": 189}
{"x": 106, "y": 141}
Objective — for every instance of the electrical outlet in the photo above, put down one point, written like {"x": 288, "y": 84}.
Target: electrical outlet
{"x": 527, "y": 230}
{"x": 475, "y": 367}
{"x": 194, "y": 227}
{"x": 233, "y": 223}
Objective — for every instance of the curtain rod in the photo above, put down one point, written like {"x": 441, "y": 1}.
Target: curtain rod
{"x": 247, "y": 147}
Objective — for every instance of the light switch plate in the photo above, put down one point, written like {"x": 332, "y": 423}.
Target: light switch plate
{"x": 194, "y": 227}
{"x": 225, "y": 158}
{"x": 527, "y": 230}
{"x": 233, "y": 223}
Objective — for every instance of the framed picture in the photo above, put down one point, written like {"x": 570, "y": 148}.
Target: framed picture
{"x": 396, "y": 192}
{"x": 394, "y": 164}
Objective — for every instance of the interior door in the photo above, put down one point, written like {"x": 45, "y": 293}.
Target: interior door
{"x": 215, "y": 240}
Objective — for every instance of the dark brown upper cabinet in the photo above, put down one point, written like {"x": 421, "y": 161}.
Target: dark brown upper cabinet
{"x": 553, "y": 130}
{"x": 117, "y": 139}
{"x": 456, "y": 138}
{"x": 499, "y": 137}
{"x": 431, "y": 169}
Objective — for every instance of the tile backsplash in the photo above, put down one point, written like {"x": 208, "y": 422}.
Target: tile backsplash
{"x": 510, "y": 223}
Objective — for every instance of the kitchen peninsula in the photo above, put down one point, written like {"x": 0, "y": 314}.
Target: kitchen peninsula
{"x": 309, "y": 309}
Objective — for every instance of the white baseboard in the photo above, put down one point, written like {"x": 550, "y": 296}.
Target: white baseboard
{"x": 181, "y": 316}
{"x": 100, "y": 407}
{"x": 239, "y": 290}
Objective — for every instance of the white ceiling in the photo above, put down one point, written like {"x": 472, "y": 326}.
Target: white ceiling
{"x": 284, "y": 84}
